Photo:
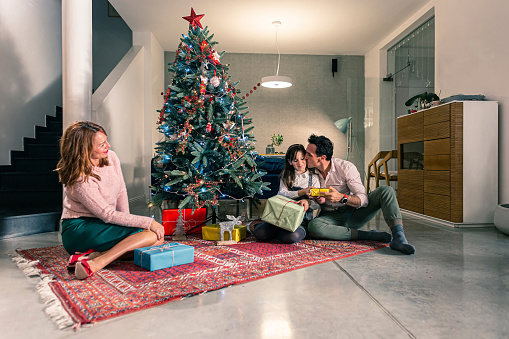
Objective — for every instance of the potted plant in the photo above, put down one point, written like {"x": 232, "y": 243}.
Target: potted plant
{"x": 277, "y": 140}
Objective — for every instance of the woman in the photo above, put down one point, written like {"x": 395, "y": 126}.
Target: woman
{"x": 97, "y": 227}
{"x": 295, "y": 183}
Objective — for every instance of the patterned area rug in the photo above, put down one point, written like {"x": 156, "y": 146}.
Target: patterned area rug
{"x": 123, "y": 287}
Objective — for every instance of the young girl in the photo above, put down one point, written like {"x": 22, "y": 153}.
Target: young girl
{"x": 295, "y": 182}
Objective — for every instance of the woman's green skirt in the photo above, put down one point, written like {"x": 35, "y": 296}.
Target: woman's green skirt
{"x": 82, "y": 234}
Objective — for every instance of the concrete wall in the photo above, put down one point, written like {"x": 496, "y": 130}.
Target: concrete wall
{"x": 30, "y": 69}
{"x": 312, "y": 105}
{"x": 470, "y": 58}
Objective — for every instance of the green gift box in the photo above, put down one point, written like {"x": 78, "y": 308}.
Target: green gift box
{"x": 283, "y": 212}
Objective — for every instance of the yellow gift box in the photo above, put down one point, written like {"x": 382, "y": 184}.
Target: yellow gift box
{"x": 316, "y": 192}
{"x": 211, "y": 232}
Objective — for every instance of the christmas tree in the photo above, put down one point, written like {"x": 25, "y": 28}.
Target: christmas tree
{"x": 207, "y": 152}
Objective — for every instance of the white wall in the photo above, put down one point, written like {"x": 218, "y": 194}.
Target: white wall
{"x": 472, "y": 53}
{"x": 153, "y": 80}
{"x": 118, "y": 106}
{"x": 30, "y": 69}
{"x": 471, "y": 57}
{"x": 125, "y": 105}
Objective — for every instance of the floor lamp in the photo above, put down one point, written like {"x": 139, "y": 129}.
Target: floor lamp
{"x": 345, "y": 127}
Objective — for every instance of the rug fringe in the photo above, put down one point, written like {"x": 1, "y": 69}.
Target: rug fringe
{"x": 54, "y": 308}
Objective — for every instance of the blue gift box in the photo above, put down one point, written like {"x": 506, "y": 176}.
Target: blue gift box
{"x": 168, "y": 255}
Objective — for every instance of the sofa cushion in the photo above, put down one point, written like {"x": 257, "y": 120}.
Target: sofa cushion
{"x": 270, "y": 165}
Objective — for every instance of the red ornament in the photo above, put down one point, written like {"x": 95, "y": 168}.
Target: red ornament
{"x": 194, "y": 19}
{"x": 208, "y": 128}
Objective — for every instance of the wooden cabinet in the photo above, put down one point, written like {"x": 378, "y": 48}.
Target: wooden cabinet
{"x": 448, "y": 162}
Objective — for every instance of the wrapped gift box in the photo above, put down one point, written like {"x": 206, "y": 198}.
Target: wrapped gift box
{"x": 316, "y": 192}
{"x": 211, "y": 232}
{"x": 191, "y": 220}
{"x": 283, "y": 212}
{"x": 168, "y": 255}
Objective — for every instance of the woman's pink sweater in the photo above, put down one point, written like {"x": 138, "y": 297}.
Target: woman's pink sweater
{"x": 105, "y": 199}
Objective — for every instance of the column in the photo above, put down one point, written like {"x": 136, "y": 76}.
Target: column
{"x": 76, "y": 60}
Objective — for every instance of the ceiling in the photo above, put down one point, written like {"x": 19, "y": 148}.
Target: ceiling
{"x": 320, "y": 27}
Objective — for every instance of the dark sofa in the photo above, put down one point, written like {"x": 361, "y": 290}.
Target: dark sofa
{"x": 273, "y": 167}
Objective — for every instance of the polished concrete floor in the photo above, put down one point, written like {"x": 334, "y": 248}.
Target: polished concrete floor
{"x": 455, "y": 286}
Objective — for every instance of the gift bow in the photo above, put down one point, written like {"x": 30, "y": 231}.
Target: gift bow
{"x": 160, "y": 248}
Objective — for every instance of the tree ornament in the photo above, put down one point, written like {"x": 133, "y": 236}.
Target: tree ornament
{"x": 194, "y": 19}
{"x": 215, "y": 81}
{"x": 209, "y": 127}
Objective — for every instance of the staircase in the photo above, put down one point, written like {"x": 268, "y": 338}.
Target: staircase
{"x": 30, "y": 193}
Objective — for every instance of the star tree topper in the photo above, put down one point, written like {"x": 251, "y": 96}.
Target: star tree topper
{"x": 194, "y": 19}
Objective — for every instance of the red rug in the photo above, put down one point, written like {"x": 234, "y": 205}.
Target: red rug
{"x": 123, "y": 287}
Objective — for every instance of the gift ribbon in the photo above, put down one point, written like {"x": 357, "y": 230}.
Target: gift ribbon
{"x": 280, "y": 214}
{"x": 160, "y": 248}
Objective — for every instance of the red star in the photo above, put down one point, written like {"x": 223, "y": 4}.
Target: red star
{"x": 194, "y": 19}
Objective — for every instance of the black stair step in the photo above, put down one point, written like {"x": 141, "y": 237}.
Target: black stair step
{"x": 30, "y": 164}
{"x": 24, "y": 199}
{"x": 42, "y": 151}
{"x": 54, "y": 126}
{"x": 6, "y": 168}
{"x": 51, "y": 138}
{"x": 33, "y": 180}
{"x": 30, "y": 141}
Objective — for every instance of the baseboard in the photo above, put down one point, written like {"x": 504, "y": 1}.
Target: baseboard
{"x": 21, "y": 225}
{"x": 445, "y": 222}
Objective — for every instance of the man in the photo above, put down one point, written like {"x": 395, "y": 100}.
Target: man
{"x": 348, "y": 207}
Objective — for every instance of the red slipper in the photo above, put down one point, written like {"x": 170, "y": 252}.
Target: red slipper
{"x": 77, "y": 256}
{"x": 83, "y": 270}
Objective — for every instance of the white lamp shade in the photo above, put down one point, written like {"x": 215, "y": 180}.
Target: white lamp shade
{"x": 276, "y": 81}
{"x": 342, "y": 124}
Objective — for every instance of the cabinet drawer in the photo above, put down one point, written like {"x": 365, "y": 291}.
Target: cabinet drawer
{"x": 438, "y": 206}
{"x": 410, "y": 180}
{"x": 437, "y": 162}
{"x": 437, "y": 131}
{"x": 437, "y": 114}
{"x": 410, "y": 128}
{"x": 411, "y": 199}
{"x": 439, "y": 146}
{"x": 437, "y": 182}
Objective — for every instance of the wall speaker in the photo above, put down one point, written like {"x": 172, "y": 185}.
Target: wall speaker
{"x": 334, "y": 66}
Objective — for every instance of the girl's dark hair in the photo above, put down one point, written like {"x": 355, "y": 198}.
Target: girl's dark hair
{"x": 288, "y": 173}
{"x": 323, "y": 146}
{"x": 76, "y": 148}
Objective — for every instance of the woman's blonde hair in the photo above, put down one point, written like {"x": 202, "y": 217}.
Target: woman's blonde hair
{"x": 76, "y": 147}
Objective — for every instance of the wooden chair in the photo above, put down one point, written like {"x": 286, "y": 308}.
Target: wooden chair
{"x": 373, "y": 169}
{"x": 383, "y": 169}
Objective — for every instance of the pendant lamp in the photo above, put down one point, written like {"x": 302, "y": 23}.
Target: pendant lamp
{"x": 277, "y": 81}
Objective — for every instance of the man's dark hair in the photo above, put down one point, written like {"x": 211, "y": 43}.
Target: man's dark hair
{"x": 323, "y": 145}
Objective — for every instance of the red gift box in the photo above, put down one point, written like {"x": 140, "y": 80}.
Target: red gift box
{"x": 170, "y": 217}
